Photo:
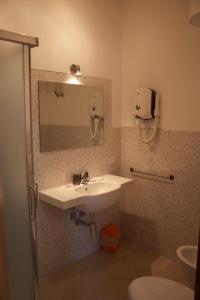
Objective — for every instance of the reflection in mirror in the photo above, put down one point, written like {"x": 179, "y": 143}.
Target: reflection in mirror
{"x": 71, "y": 116}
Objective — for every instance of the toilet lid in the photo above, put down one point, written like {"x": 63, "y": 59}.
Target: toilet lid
{"x": 156, "y": 288}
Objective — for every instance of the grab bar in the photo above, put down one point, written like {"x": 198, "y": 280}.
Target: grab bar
{"x": 170, "y": 177}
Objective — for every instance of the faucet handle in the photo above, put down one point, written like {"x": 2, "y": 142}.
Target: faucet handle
{"x": 87, "y": 174}
{"x": 84, "y": 175}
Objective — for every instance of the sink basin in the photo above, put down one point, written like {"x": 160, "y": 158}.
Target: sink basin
{"x": 98, "y": 196}
{"x": 95, "y": 196}
{"x": 97, "y": 188}
{"x": 187, "y": 255}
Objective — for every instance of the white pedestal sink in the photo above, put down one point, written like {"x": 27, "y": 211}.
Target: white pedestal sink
{"x": 94, "y": 196}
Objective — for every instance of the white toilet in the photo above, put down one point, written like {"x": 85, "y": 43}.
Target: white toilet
{"x": 156, "y": 288}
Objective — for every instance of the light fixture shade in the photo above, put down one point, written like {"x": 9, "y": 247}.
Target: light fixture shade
{"x": 194, "y": 12}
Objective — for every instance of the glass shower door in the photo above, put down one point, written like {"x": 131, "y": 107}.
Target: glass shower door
{"x": 16, "y": 169}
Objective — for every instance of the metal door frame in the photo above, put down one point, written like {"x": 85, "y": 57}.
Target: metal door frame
{"x": 27, "y": 42}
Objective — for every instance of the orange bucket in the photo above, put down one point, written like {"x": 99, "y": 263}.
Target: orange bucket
{"x": 110, "y": 238}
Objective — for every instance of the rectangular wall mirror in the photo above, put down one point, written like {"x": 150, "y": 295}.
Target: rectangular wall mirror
{"x": 70, "y": 116}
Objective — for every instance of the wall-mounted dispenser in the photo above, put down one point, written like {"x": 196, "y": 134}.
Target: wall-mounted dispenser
{"x": 147, "y": 108}
{"x": 96, "y": 113}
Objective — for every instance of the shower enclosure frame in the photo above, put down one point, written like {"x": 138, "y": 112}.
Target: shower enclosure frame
{"x": 197, "y": 285}
{"x": 27, "y": 43}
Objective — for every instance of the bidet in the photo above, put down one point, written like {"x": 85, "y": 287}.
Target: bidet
{"x": 187, "y": 255}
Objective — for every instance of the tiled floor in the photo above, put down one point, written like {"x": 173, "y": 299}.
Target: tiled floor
{"x": 102, "y": 276}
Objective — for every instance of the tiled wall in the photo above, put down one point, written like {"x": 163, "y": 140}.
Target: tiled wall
{"x": 60, "y": 242}
{"x": 158, "y": 213}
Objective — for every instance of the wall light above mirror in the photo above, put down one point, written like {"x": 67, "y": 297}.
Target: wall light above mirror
{"x": 70, "y": 116}
{"x": 75, "y": 69}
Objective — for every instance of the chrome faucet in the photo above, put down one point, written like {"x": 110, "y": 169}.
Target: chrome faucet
{"x": 84, "y": 177}
{"x": 81, "y": 178}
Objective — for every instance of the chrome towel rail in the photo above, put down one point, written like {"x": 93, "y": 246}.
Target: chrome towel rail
{"x": 170, "y": 177}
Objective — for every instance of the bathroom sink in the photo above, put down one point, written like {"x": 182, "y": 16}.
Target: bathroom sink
{"x": 96, "y": 188}
{"x": 97, "y": 195}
